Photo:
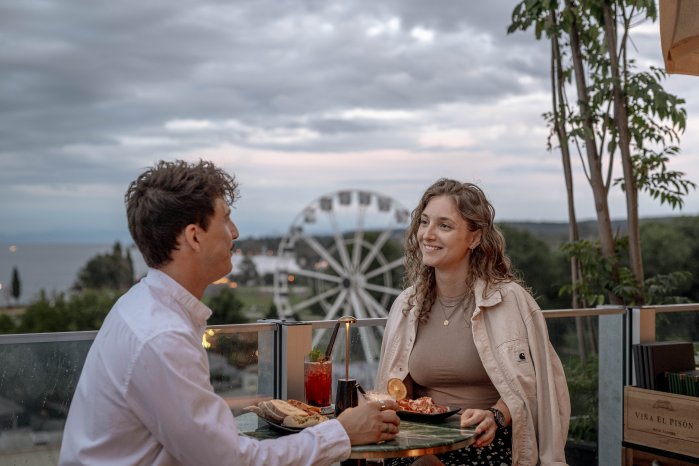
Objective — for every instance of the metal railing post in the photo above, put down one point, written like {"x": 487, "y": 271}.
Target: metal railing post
{"x": 267, "y": 361}
{"x": 295, "y": 342}
{"x": 611, "y": 376}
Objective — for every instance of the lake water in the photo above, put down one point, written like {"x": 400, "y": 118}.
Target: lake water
{"x": 51, "y": 267}
{"x": 54, "y": 267}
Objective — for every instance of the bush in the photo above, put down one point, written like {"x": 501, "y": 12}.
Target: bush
{"x": 582, "y": 384}
{"x": 226, "y": 308}
{"x": 82, "y": 311}
{"x": 7, "y": 325}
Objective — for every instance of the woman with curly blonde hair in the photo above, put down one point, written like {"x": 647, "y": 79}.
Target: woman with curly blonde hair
{"x": 468, "y": 334}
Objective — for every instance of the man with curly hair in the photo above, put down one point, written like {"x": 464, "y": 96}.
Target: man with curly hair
{"x": 144, "y": 395}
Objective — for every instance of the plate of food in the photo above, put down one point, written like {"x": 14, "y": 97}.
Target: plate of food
{"x": 281, "y": 428}
{"x": 289, "y": 416}
{"x": 424, "y": 409}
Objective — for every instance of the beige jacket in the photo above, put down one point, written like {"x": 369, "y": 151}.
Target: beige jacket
{"x": 512, "y": 341}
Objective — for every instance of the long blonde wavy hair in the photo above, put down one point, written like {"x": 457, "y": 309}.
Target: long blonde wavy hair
{"x": 487, "y": 261}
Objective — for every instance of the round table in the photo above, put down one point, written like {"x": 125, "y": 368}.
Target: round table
{"x": 414, "y": 438}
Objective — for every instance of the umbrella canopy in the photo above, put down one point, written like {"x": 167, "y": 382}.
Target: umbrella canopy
{"x": 679, "y": 35}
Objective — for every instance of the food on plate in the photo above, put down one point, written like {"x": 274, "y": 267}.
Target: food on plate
{"x": 275, "y": 410}
{"x": 396, "y": 388}
{"x": 299, "y": 422}
{"x": 423, "y": 405}
{"x": 287, "y": 413}
{"x": 306, "y": 407}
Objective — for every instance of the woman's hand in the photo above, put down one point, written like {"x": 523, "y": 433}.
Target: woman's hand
{"x": 485, "y": 425}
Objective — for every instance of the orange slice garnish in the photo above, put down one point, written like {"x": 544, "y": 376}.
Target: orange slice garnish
{"x": 396, "y": 388}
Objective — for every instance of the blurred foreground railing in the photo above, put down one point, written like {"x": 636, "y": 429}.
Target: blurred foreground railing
{"x": 248, "y": 362}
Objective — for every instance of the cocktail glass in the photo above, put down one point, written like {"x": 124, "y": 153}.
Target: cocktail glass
{"x": 317, "y": 382}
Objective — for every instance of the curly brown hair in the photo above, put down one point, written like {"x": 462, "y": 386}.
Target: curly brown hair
{"x": 166, "y": 198}
{"x": 487, "y": 261}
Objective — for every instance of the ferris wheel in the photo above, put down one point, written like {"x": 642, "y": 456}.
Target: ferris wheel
{"x": 342, "y": 256}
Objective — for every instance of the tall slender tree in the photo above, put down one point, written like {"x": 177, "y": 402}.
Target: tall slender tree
{"x": 558, "y": 123}
{"x": 16, "y": 286}
{"x": 664, "y": 120}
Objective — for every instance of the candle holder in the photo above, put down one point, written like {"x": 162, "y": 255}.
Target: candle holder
{"x": 346, "y": 393}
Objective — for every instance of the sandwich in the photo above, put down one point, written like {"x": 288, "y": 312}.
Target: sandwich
{"x": 292, "y": 413}
{"x": 300, "y": 422}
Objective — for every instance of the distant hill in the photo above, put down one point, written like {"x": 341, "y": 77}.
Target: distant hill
{"x": 557, "y": 232}
{"x": 553, "y": 233}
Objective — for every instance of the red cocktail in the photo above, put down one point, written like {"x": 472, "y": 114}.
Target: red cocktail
{"x": 317, "y": 381}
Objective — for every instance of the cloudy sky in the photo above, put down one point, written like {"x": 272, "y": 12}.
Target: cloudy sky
{"x": 297, "y": 98}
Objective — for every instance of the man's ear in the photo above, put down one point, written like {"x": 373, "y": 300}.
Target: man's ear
{"x": 190, "y": 237}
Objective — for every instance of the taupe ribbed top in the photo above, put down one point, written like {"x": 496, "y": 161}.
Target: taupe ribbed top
{"x": 445, "y": 365}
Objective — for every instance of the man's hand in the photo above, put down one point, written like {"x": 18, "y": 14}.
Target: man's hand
{"x": 369, "y": 423}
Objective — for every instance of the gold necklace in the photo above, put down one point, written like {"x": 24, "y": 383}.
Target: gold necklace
{"x": 452, "y": 308}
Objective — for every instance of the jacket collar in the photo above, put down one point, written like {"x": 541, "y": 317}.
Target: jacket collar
{"x": 487, "y": 296}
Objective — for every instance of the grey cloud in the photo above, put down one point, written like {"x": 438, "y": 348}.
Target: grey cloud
{"x": 78, "y": 76}
{"x": 83, "y": 74}
{"x": 100, "y": 69}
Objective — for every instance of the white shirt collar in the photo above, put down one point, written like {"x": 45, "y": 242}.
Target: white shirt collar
{"x": 197, "y": 310}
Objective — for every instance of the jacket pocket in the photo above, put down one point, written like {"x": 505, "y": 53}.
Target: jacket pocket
{"x": 519, "y": 368}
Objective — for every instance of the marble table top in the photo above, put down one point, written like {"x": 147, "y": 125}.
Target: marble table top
{"x": 414, "y": 438}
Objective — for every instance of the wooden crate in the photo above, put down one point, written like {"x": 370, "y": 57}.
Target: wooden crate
{"x": 631, "y": 457}
{"x": 662, "y": 420}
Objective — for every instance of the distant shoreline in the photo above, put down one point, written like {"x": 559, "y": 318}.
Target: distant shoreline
{"x": 109, "y": 237}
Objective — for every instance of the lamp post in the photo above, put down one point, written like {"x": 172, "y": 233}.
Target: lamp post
{"x": 346, "y": 394}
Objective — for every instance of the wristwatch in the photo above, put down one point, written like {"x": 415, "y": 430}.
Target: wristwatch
{"x": 499, "y": 417}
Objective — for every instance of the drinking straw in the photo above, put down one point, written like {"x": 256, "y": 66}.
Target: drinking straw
{"x": 329, "y": 350}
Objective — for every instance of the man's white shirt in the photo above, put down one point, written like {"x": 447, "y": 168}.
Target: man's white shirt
{"x": 144, "y": 395}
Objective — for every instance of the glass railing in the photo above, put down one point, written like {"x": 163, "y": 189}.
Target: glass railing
{"x": 38, "y": 375}
{"x": 678, "y": 323}
{"x": 364, "y": 348}
{"x": 39, "y": 372}
{"x": 241, "y": 357}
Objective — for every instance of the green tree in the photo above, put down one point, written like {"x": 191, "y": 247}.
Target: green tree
{"x": 226, "y": 308}
{"x": 598, "y": 277}
{"x": 618, "y": 109}
{"x": 81, "y": 311}
{"x": 670, "y": 248}
{"x": 16, "y": 287}
{"x": 542, "y": 268}
{"x": 538, "y": 264}
{"x": 247, "y": 272}
{"x": 129, "y": 272}
{"x": 7, "y": 325}
{"x": 111, "y": 271}
{"x": 44, "y": 316}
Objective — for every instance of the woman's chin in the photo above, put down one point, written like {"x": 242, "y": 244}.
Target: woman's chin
{"x": 429, "y": 262}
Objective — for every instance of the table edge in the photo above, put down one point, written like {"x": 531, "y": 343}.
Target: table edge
{"x": 413, "y": 451}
